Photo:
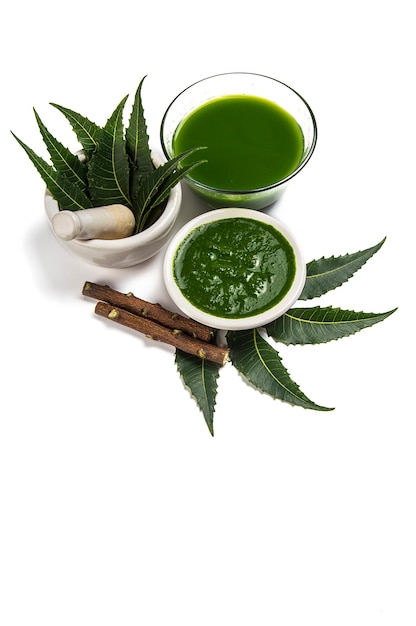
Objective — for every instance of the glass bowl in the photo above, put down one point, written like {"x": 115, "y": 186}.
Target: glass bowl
{"x": 225, "y": 267}
{"x": 239, "y": 84}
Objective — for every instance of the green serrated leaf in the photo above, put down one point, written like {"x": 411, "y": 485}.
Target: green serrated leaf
{"x": 87, "y": 132}
{"x": 137, "y": 140}
{"x": 149, "y": 215}
{"x": 260, "y": 364}
{"x": 62, "y": 158}
{"x": 319, "y": 325}
{"x": 173, "y": 178}
{"x": 155, "y": 187}
{"x": 109, "y": 173}
{"x": 325, "y": 274}
{"x": 200, "y": 378}
{"x": 68, "y": 195}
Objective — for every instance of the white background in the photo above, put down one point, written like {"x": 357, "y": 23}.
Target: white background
{"x": 117, "y": 506}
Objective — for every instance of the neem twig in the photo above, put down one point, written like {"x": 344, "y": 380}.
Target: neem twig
{"x": 157, "y": 332}
{"x": 144, "y": 309}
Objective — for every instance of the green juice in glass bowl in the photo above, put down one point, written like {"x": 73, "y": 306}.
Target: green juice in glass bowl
{"x": 258, "y": 134}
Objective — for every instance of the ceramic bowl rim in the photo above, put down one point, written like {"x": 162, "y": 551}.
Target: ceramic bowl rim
{"x": 221, "y": 323}
{"x": 150, "y": 235}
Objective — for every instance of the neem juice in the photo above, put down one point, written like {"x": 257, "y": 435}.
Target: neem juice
{"x": 251, "y": 142}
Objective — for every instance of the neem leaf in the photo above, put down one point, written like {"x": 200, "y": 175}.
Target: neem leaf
{"x": 86, "y": 131}
{"x": 155, "y": 187}
{"x": 325, "y": 274}
{"x": 200, "y": 378}
{"x": 109, "y": 166}
{"x": 320, "y": 325}
{"x": 138, "y": 150}
{"x": 137, "y": 140}
{"x": 64, "y": 161}
{"x": 172, "y": 172}
{"x": 68, "y": 195}
{"x": 260, "y": 364}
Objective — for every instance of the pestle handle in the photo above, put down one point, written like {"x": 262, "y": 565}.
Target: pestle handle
{"x": 114, "y": 221}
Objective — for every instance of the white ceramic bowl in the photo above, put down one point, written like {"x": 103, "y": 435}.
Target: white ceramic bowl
{"x": 131, "y": 250}
{"x": 223, "y": 323}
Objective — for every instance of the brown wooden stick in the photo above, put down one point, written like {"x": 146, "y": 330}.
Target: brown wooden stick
{"x": 155, "y": 312}
{"x": 155, "y": 331}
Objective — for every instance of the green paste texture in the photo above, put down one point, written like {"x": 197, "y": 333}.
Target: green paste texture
{"x": 235, "y": 267}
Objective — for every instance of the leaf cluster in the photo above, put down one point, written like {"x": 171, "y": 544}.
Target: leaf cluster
{"x": 114, "y": 166}
{"x": 256, "y": 359}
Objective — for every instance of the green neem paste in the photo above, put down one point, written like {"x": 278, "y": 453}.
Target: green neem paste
{"x": 250, "y": 142}
{"x": 235, "y": 267}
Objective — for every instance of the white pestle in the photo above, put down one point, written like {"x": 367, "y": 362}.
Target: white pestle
{"x": 114, "y": 221}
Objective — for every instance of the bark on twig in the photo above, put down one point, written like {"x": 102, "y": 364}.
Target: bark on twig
{"x": 144, "y": 309}
{"x": 157, "y": 332}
